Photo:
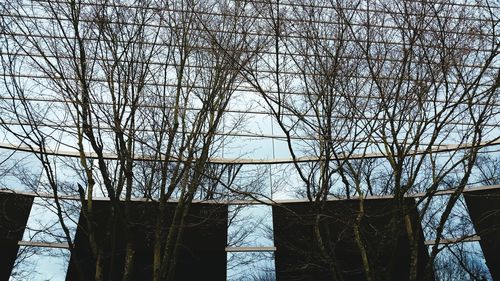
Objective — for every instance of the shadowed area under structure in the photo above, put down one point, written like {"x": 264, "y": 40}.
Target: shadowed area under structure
{"x": 484, "y": 210}
{"x": 14, "y": 213}
{"x": 202, "y": 253}
{"x": 299, "y": 255}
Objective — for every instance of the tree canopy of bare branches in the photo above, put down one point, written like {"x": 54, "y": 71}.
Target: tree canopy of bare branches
{"x": 157, "y": 100}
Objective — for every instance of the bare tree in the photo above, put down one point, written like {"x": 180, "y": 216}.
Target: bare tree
{"x": 124, "y": 79}
{"x": 381, "y": 99}
{"x": 402, "y": 80}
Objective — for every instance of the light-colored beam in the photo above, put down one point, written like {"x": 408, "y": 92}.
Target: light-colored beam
{"x": 52, "y": 245}
{"x": 250, "y": 249}
{"x": 260, "y": 201}
{"x": 111, "y": 156}
{"x": 454, "y": 240}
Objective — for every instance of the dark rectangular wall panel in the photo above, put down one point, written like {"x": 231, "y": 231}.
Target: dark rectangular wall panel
{"x": 202, "y": 253}
{"x": 300, "y": 255}
{"x": 14, "y": 213}
{"x": 484, "y": 210}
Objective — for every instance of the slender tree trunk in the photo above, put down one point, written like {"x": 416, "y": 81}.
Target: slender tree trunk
{"x": 359, "y": 241}
{"x": 129, "y": 260}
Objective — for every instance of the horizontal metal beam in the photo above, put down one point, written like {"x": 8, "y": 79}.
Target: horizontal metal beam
{"x": 472, "y": 238}
{"x": 264, "y": 201}
{"x": 292, "y": 5}
{"x": 55, "y": 245}
{"x": 216, "y": 160}
{"x": 263, "y": 111}
{"x": 52, "y": 245}
{"x": 250, "y": 249}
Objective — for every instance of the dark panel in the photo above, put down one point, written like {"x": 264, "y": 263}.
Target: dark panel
{"x": 14, "y": 213}
{"x": 202, "y": 251}
{"x": 299, "y": 255}
{"x": 484, "y": 210}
